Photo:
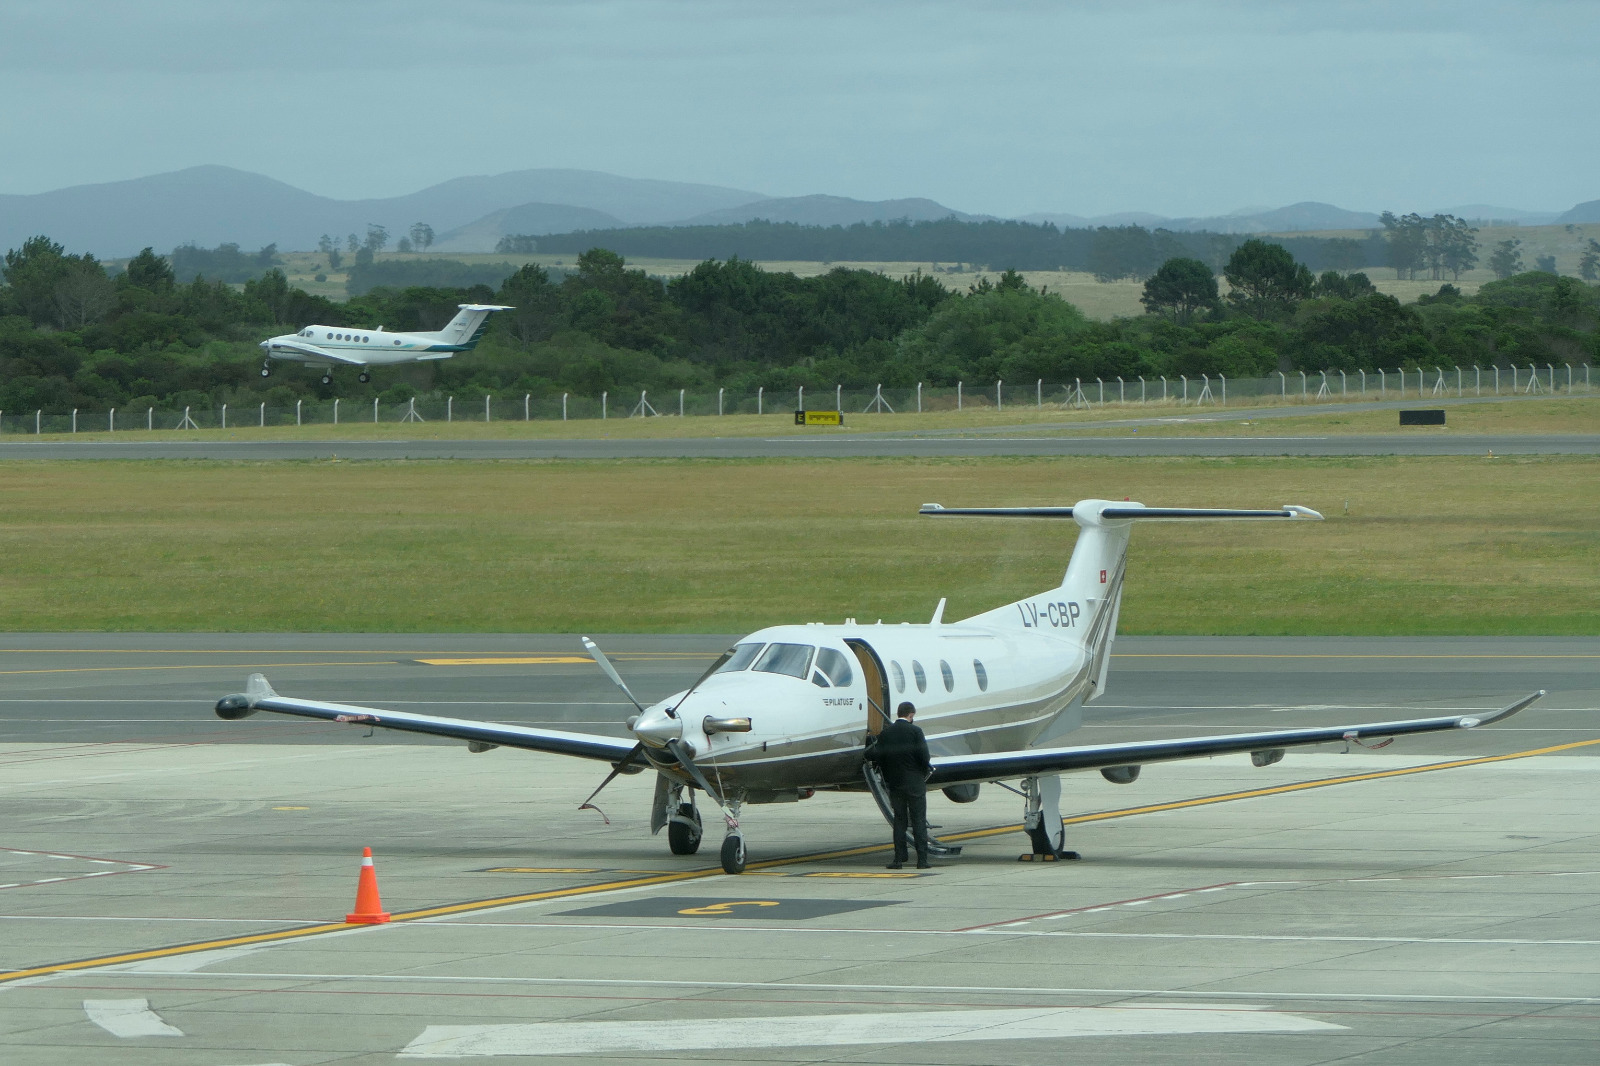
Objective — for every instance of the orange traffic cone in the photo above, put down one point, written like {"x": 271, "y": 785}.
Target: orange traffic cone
{"x": 369, "y": 909}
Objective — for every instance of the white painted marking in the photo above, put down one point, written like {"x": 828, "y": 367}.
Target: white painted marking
{"x": 127, "y": 1018}
{"x": 833, "y": 1030}
{"x": 190, "y": 963}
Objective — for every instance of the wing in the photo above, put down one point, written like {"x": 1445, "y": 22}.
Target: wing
{"x": 961, "y": 769}
{"x": 258, "y": 696}
{"x": 311, "y": 351}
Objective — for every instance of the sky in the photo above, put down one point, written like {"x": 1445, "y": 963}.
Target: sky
{"x": 1004, "y": 107}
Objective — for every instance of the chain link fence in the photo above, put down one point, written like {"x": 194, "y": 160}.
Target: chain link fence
{"x": 1329, "y": 386}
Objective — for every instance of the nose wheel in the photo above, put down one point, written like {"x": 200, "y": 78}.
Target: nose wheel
{"x": 733, "y": 854}
{"x": 266, "y": 370}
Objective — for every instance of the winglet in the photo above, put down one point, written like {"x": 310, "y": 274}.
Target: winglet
{"x": 257, "y": 688}
{"x": 1473, "y": 721}
{"x": 938, "y": 613}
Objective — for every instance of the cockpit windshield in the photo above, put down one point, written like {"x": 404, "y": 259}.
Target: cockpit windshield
{"x": 741, "y": 658}
{"x": 791, "y": 659}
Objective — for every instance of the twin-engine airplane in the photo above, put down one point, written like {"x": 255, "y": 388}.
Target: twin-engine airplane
{"x": 792, "y": 709}
{"x": 331, "y": 346}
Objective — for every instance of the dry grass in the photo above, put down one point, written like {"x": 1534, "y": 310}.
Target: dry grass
{"x": 1429, "y": 545}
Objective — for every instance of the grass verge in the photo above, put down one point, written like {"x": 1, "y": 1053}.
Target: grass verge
{"x": 1433, "y": 545}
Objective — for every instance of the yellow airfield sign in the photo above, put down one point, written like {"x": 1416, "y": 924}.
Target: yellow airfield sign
{"x": 819, "y": 418}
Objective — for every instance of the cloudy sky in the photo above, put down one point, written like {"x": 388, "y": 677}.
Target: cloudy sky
{"x": 1003, "y": 107}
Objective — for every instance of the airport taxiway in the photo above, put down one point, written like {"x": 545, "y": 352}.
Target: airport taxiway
{"x": 176, "y": 883}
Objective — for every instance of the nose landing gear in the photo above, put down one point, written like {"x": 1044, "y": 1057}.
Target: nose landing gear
{"x": 266, "y": 370}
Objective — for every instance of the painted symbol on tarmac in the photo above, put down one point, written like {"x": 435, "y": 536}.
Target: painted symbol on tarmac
{"x": 723, "y": 908}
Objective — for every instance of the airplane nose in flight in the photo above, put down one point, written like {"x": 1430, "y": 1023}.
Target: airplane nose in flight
{"x": 655, "y": 728}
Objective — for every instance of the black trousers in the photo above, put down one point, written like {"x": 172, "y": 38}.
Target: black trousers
{"x": 910, "y": 808}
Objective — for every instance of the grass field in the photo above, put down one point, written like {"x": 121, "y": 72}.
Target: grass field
{"x": 1411, "y": 546}
{"x": 1575, "y": 414}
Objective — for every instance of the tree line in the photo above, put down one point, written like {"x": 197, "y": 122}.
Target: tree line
{"x": 72, "y": 335}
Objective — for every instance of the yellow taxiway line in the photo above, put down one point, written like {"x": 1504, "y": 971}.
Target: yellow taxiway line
{"x": 714, "y": 871}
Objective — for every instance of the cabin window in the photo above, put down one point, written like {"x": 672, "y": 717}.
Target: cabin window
{"x": 948, "y": 675}
{"x": 899, "y": 676}
{"x": 791, "y": 659}
{"x": 921, "y": 678}
{"x": 836, "y": 666}
{"x": 981, "y": 674}
{"x": 330, "y": 336}
{"x": 397, "y": 342}
{"x": 743, "y": 655}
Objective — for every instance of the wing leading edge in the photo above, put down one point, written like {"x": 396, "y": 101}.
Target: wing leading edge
{"x": 963, "y": 769}
{"x": 259, "y": 696}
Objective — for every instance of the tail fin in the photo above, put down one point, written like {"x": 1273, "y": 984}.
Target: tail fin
{"x": 464, "y": 330}
{"x": 1089, "y": 598}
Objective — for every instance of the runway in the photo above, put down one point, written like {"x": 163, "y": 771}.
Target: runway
{"x": 1022, "y": 442}
{"x": 172, "y": 887}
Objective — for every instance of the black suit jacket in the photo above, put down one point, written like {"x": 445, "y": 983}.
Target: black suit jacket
{"x": 902, "y": 754}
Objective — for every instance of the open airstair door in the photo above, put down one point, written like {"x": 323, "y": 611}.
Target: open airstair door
{"x": 877, "y": 683}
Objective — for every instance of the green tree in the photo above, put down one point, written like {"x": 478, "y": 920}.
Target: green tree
{"x": 83, "y": 294}
{"x": 1265, "y": 281}
{"x": 1180, "y": 287}
{"x": 1344, "y": 254}
{"x": 422, "y": 236}
{"x": 536, "y": 309}
{"x": 150, "y": 272}
{"x": 377, "y": 237}
{"x": 1546, "y": 263}
{"x": 1122, "y": 252}
{"x": 1589, "y": 265}
{"x": 1405, "y": 240}
{"x": 32, "y": 272}
{"x": 1506, "y": 260}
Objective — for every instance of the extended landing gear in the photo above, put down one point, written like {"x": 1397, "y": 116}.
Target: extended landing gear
{"x": 327, "y": 379}
{"x": 1041, "y": 820}
{"x": 364, "y": 377}
{"x": 684, "y": 830}
{"x": 733, "y": 856}
{"x": 266, "y": 370}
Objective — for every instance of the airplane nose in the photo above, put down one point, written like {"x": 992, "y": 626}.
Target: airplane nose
{"x": 655, "y": 728}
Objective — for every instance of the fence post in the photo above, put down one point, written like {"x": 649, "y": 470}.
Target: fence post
{"x": 1477, "y": 380}
{"x": 761, "y": 396}
{"x": 38, "y": 421}
{"x": 999, "y": 400}
{"x": 527, "y": 407}
{"x": 1163, "y": 388}
{"x": 1552, "y": 368}
{"x": 74, "y": 420}
{"x": 297, "y": 404}
{"x": 336, "y": 410}
{"x": 1283, "y": 384}
{"x": 563, "y": 407}
{"x": 449, "y": 408}
{"x": 1038, "y": 388}
{"x": 719, "y": 399}
{"x": 1224, "y": 381}
{"x": 486, "y": 407}
{"x": 1185, "y": 378}
{"x": 1497, "y": 379}
{"x": 1141, "y": 388}
{"x": 150, "y": 418}
{"x": 112, "y": 428}
{"x": 1102, "y": 385}
{"x": 680, "y": 403}
{"x": 1459, "y": 393}
{"x": 1513, "y": 380}
{"x": 958, "y": 396}
{"x": 1302, "y": 386}
{"x": 919, "y": 397}
{"x": 1569, "y": 377}
{"x": 1344, "y": 386}
{"x": 1363, "y": 384}
{"x": 1122, "y": 396}
{"x": 1383, "y": 384}
{"x": 800, "y": 399}
{"x": 838, "y": 398}
{"x": 263, "y": 414}
{"x": 224, "y": 416}
{"x": 604, "y": 400}
{"x": 374, "y": 410}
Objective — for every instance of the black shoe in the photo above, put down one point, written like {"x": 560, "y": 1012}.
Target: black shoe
{"x": 896, "y": 865}
{"x": 924, "y": 865}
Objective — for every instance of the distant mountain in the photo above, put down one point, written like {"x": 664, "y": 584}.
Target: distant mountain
{"x": 1588, "y": 211}
{"x": 483, "y": 234}
{"x": 1294, "y": 218}
{"x": 1494, "y": 212}
{"x": 210, "y": 204}
{"x": 830, "y": 211}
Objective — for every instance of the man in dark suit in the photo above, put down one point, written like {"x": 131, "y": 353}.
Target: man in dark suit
{"x": 901, "y": 755}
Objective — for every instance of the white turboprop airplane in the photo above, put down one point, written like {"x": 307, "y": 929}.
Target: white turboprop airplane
{"x": 331, "y": 346}
{"x": 791, "y": 709}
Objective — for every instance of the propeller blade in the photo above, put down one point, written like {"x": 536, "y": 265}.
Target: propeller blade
{"x": 588, "y": 804}
{"x": 610, "y": 671}
{"x": 724, "y": 657}
{"x": 699, "y": 777}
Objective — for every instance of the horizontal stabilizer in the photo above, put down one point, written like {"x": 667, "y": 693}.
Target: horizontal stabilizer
{"x": 1132, "y": 511}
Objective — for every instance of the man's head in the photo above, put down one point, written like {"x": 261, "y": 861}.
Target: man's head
{"x": 906, "y": 710}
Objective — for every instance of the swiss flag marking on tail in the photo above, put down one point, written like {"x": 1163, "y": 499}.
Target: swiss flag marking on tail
{"x": 1102, "y": 577}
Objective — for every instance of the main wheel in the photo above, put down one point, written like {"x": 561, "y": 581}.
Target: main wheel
{"x": 733, "y": 855}
{"x": 364, "y": 377}
{"x": 681, "y": 838}
{"x": 327, "y": 379}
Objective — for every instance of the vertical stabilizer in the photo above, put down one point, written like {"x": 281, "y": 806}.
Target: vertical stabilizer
{"x": 463, "y": 331}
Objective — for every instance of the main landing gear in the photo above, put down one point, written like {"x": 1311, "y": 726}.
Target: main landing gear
{"x": 675, "y": 809}
{"x": 364, "y": 377}
{"x": 684, "y": 829}
{"x": 1041, "y": 820}
{"x": 327, "y": 379}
